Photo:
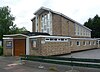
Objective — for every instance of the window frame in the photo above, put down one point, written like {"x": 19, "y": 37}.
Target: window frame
{"x": 84, "y": 43}
{"x": 78, "y": 43}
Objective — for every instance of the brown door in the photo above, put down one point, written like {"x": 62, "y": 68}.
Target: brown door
{"x": 19, "y": 47}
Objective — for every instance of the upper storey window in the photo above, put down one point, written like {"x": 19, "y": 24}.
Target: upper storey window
{"x": 81, "y": 31}
{"x": 46, "y": 22}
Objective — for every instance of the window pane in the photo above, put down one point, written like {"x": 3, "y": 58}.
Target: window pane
{"x": 78, "y": 43}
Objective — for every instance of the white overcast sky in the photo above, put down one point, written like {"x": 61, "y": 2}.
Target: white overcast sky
{"x": 79, "y": 10}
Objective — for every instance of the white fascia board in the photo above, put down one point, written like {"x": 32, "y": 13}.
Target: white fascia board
{"x": 41, "y": 9}
{"x": 7, "y": 38}
{"x": 48, "y": 36}
{"x": 16, "y": 35}
{"x": 85, "y": 38}
{"x": 97, "y": 38}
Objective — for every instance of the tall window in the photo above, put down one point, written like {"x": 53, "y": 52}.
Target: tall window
{"x": 46, "y": 23}
{"x": 78, "y": 43}
{"x": 84, "y": 43}
{"x": 94, "y": 43}
{"x": 89, "y": 43}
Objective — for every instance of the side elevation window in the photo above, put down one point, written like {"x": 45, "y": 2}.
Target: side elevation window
{"x": 84, "y": 43}
{"x": 78, "y": 43}
{"x": 94, "y": 43}
{"x": 89, "y": 43}
{"x": 46, "y": 24}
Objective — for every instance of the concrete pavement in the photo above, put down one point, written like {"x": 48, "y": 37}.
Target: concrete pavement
{"x": 92, "y": 54}
{"x": 11, "y": 64}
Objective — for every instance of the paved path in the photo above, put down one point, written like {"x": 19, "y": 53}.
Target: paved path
{"x": 10, "y": 64}
{"x": 92, "y": 54}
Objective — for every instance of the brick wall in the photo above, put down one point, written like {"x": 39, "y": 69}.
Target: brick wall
{"x": 35, "y": 50}
{"x": 56, "y": 24}
{"x": 62, "y": 26}
{"x": 75, "y": 47}
{"x": 56, "y": 48}
{"x": 65, "y": 27}
{"x": 33, "y": 25}
{"x": 7, "y": 51}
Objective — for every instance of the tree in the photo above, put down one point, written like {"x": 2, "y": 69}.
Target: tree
{"x": 14, "y": 29}
{"x": 7, "y": 25}
{"x": 94, "y": 24}
{"x": 6, "y": 20}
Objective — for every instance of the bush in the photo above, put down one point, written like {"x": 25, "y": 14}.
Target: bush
{"x": 1, "y": 50}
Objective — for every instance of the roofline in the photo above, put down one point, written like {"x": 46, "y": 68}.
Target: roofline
{"x": 7, "y": 38}
{"x": 85, "y": 38}
{"x": 42, "y": 8}
{"x": 16, "y": 35}
{"x": 33, "y": 18}
{"x": 48, "y": 36}
{"x": 61, "y": 15}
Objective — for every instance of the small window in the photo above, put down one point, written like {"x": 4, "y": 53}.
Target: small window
{"x": 78, "y": 43}
{"x": 51, "y": 39}
{"x": 47, "y": 39}
{"x": 89, "y": 43}
{"x": 55, "y": 39}
{"x": 59, "y": 39}
{"x": 94, "y": 43}
{"x": 84, "y": 43}
{"x": 65, "y": 39}
{"x": 62, "y": 39}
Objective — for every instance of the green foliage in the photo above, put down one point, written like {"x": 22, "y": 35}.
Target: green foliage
{"x": 6, "y": 20}
{"x": 94, "y": 24}
{"x": 6, "y": 23}
{"x": 14, "y": 29}
{"x": 1, "y": 47}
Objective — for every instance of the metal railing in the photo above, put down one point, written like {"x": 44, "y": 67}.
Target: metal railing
{"x": 92, "y": 63}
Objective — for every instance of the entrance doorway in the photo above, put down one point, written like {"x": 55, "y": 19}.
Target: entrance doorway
{"x": 19, "y": 47}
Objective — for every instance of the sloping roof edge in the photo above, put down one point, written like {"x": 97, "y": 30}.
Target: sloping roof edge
{"x": 16, "y": 35}
{"x": 47, "y": 9}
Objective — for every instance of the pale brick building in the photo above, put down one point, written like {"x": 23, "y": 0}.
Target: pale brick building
{"x": 58, "y": 24}
{"x": 57, "y": 34}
